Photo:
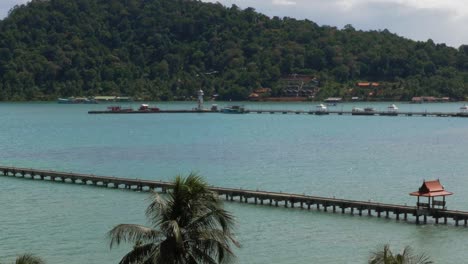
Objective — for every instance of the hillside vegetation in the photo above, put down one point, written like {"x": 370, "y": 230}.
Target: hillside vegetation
{"x": 168, "y": 49}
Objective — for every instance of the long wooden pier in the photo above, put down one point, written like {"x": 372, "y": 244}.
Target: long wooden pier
{"x": 310, "y": 112}
{"x": 399, "y": 212}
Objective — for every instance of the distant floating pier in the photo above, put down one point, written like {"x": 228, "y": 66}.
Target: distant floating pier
{"x": 418, "y": 214}
{"x": 312, "y": 112}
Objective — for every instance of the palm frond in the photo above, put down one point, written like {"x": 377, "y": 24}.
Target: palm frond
{"x": 139, "y": 254}
{"x": 381, "y": 256}
{"x": 29, "y": 259}
{"x": 133, "y": 233}
{"x": 157, "y": 208}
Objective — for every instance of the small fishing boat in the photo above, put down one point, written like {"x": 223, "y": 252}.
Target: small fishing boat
{"x": 357, "y": 110}
{"x": 464, "y": 109}
{"x": 392, "y": 108}
{"x": 363, "y": 111}
{"x": 147, "y": 108}
{"x": 233, "y": 109}
{"x": 321, "y": 109}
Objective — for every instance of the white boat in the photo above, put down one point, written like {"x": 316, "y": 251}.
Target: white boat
{"x": 357, "y": 110}
{"x": 464, "y": 109}
{"x": 392, "y": 108}
{"x": 321, "y": 107}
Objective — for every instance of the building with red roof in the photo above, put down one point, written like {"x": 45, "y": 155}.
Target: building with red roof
{"x": 431, "y": 189}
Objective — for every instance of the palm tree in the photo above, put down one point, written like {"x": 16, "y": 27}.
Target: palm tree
{"x": 385, "y": 256}
{"x": 29, "y": 259}
{"x": 190, "y": 226}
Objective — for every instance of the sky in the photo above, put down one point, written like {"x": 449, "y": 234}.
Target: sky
{"x": 443, "y": 21}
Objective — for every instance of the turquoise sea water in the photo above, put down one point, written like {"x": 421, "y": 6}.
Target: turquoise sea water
{"x": 366, "y": 158}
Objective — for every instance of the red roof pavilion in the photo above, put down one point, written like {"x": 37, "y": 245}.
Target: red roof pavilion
{"x": 431, "y": 189}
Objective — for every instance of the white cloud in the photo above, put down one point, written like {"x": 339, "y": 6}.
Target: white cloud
{"x": 283, "y": 2}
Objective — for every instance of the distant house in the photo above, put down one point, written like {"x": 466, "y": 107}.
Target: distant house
{"x": 262, "y": 90}
{"x": 367, "y": 84}
{"x": 259, "y": 93}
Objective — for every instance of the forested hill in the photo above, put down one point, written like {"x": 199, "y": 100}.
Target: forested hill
{"x": 168, "y": 49}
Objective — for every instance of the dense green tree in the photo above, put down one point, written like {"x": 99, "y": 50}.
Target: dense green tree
{"x": 91, "y": 47}
{"x": 189, "y": 226}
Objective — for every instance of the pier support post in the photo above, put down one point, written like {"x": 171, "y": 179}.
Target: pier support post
{"x": 417, "y": 219}
{"x": 261, "y": 201}
{"x": 255, "y": 200}
{"x": 436, "y": 220}
{"x": 406, "y": 216}
{"x": 232, "y": 197}
{"x": 318, "y": 207}
{"x": 397, "y": 215}
{"x": 227, "y": 197}
{"x": 308, "y": 206}
{"x": 465, "y": 221}
{"x": 378, "y": 213}
{"x": 276, "y": 203}
{"x": 360, "y": 211}
{"x": 425, "y": 219}
{"x": 302, "y": 205}
{"x": 325, "y": 206}
{"x": 271, "y": 201}
{"x": 456, "y": 221}
{"x": 352, "y": 210}
{"x": 386, "y": 214}
{"x": 334, "y": 208}
{"x": 445, "y": 219}
{"x": 342, "y": 209}
{"x": 369, "y": 212}
{"x": 163, "y": 190}
{"x": 286, "y": 203}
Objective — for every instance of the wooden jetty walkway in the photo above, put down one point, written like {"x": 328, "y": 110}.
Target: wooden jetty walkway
{"x": 404, "y": 212}
{"x": 311, "y": 112}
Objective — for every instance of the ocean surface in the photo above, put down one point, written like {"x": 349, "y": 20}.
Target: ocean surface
{"x": 353, "y": 157}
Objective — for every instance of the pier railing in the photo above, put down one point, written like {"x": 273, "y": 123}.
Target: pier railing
{"x": 253, "y": 196}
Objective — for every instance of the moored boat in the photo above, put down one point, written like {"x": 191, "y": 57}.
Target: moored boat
{"x": 392, "y": 108}
{"x": 321, "y": 109}
{"x": 233, "y": 109}
{"x": 363, "y": 111}
{"x": 148, "y": 108}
